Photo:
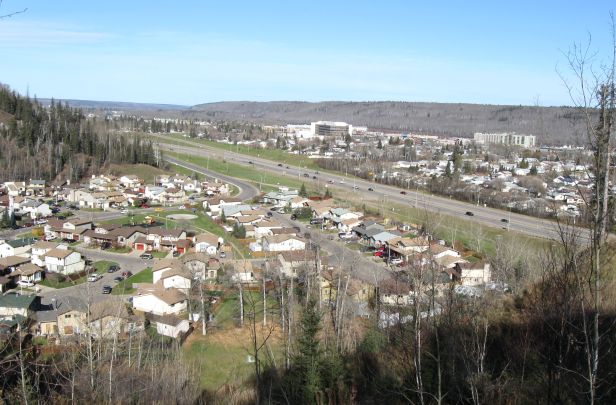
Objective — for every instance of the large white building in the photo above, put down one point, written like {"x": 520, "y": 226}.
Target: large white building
{"x": 330, "y": 128}
{"x": 506, "y": 138}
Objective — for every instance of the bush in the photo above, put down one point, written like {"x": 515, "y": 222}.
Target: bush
{"x": 55, "y": 277}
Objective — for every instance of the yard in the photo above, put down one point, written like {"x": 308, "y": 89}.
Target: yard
{"x": 126, "y": 286}
{"x": 100, "y": 267}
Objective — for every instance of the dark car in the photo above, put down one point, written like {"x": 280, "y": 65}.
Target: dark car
{"x": 370, "y": 189}
{"x": 279, "y": 164}
{"x": 55, "y": 210}
{"x": 306, "y": 175}
{"x": 105, "y": 245}
{"x": 250, "y": 162}
{"x": 107, "y": 289}
{"x": 293, "y": 217}
{"x": 269, "y": 214}
{"x": 403, "y": 192}
{"x": 469, "y": 213}
{"x": 146, "y": 256}
{"x": 175, "y": 253}
{"x": 314, "y": 177}
{"x": 113, "y": 268}
{"x": 505, "y": 220}
{"x": 118, "y": 279}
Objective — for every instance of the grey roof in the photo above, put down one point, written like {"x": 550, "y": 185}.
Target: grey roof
{"x": 17, "y": 301}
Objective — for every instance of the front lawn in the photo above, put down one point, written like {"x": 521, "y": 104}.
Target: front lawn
{"x": 120, "y": 249}
{"x": 159, "y": 255}
{"x": 126, "y": 286}
{"x": 100, "y": 267}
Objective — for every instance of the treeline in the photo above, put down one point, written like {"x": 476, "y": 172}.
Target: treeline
{"x": 58, "y": 141}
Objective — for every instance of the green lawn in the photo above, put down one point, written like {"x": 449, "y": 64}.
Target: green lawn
{"x": 100, "y": 267}
{"x": 271, "y": 154}
{"x": 120, "y": 249}
{"x": 159, "y": 255}
{"x": 126, "y": 286}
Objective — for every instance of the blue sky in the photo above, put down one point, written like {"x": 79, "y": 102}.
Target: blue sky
{"x": 189, "y": 52}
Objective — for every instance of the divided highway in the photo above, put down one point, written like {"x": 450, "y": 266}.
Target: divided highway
{"x": 484, "y": 215}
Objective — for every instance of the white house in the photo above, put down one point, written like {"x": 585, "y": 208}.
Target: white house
{"x": 40, "y": 248}
{"x": 207, "y": 243}
{"x": 63, "y": 261}
{"x": 169, "y": 325}
{"x": 160, "y": 302}
{"x": 176, "y": 278}
{"x": 18, "y": 247}
{"x": 280, "y": 243}
{"x": 472, "y": 274}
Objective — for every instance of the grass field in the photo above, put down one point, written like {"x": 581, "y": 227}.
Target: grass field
{"x": 271, "y": 154}
{"x": 145, "y": 172}
{"x": 126, "y": 286}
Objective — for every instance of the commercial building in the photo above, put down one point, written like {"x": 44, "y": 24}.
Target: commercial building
{"x": 330, "y": 128}
{"x": 506, "y": 138}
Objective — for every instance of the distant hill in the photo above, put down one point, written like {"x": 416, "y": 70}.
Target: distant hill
{"x": 551, "y": 125}
{"x": 117, "y": 105}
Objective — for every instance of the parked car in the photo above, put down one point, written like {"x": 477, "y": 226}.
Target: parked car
{"x": 146, "y": 256}
{"x": 144, "y": 206}
{"x": 124, "y": 211}
{"x": 505, "y": 220}
{"x": 403, "y": 192}
{"x": 250, "y": 162}
{"x": 113, "y": 268}
{"x": 469, "y": 213}
{"x": 25, "y": 283}
{"x": 330, "y": 181}
{"x": 126, "y": 274}
{"x": 107, "y": 289}
{"x": 269, "y": 214}
{"x": 370, "y": 189}
{"x": 223, "y": 255}
{"x": 316, "y": 221}
{"x": 279, "y": 164}
{"x": 92, "y": 278}
{"x": 118, "y": 279}
{"x": 306, "y": 175}
{"x": 293, "y": 217}
{"x": 397, "y": 260}
{"x": 378, "y": 253}
{"x": 105, "y": 245}
{"x": 175, "y": 253}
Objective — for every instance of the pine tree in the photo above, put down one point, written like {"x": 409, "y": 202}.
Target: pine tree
{"x": 308, "y": 360}
{"x": 302, "y": 191}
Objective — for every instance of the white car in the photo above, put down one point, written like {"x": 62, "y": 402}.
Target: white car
{"x": 124, "y": 211}
{"x": 396, "y": 261}
{"x": 25, "y": 283}
{"x": 92, "y": 278}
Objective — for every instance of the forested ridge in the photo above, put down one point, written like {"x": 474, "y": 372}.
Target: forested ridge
{"x": 60, "y": 142}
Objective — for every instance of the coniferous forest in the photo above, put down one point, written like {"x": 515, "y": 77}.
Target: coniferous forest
{"x": 58, "y": 142}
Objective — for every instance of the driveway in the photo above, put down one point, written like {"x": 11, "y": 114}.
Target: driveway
{"x": 92, "y": 292}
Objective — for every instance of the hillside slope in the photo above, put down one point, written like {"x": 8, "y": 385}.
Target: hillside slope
{"x": 552, "y": 125}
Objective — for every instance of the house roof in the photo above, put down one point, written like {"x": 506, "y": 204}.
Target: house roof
{"x": 207, "y": 238}
{"x": 281, "y": 238}
{"x": 71, "y": 303}
{"x": 284, "y": 231}
{"x": 28, "y": 269}
{"x": 113, "y": 306}
{"x": 11, "y": 261}
{"x": 17, "y": 243}
{"x": 45, "y": 245}
{"x": 16, "y": 301}
{"x": 164, "y": 264}
{"x": 170, "y": 320}
{"x": 169, "y": 296}
{"x": 59, "y": 253}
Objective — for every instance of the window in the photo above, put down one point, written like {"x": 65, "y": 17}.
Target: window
{"x": 67, "y": 316}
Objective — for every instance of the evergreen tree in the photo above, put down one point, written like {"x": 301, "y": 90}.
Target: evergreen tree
{"x": 306, "y": 377}
{"x": 448, "y": 169}
{"x": 223, "y": 217}
{"x": 379, "y": 145}
{"x": 533, "y": 171}
{"x": 302, "y": 191}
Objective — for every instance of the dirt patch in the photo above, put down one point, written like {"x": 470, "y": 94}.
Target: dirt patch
{"x": 182, "y": 216}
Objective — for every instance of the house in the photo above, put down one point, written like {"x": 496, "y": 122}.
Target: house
{"x": 357, "y": 290}
{"x": 72, "y": 229}
{"x": 381, "y": 238}
{"x": 11, "y": 263}
{"x": 152, "y": 299}
{"x": 176, "y": 278}
{"x": 29, "y": 272}
{"x": 169, "y": 325}
{"x": 395, "y": 292}
{"x": 40, "y": 248}
{"x": 64, "y": 261}
{"x": 290, "y": 262}
{"x": 36, "y": 209}
{"x": 202, "y": 266}
{"x": 17, "y": 247}
{"x": 280, "y": 243}
{"x": 266, "y": 227}
{"x": 214, "y": 205}
{"x": 23, "y": 305}
{"x": 472, "y": 274}
{"x": 367, "y": 229}
{"x": 207, "y": 243}
{"x": 110, "y": 318}
{"x": 71, "y": 316}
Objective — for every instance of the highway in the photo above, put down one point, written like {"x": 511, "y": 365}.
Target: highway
{"x": 491, "y": 217}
